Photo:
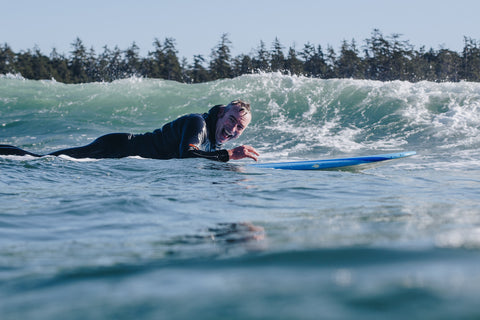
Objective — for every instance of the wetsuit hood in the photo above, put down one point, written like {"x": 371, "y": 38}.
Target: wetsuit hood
{"x": 211, "y": 118}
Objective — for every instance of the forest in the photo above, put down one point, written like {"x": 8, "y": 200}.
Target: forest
{"x": 379, "y": 57}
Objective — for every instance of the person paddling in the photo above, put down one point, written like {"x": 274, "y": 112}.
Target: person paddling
{"x": 190, "y": 136}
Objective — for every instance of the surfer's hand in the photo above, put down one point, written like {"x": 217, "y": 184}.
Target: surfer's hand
{"x": 243, "y": 152}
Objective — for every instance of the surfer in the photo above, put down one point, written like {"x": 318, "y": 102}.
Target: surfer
{"x": 190, "y": 136}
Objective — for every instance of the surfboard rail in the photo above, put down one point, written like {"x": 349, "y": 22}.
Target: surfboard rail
{"x": 334, "y": 163}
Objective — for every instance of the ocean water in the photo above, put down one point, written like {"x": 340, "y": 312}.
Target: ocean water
{"x": 194, "y": 239}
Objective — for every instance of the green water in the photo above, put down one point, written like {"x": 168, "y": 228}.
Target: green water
{"x": 182, "y": 239}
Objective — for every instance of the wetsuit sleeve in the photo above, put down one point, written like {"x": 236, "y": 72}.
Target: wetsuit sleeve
{"x": 194, "y": 134}
{"x": 217, "y": 155}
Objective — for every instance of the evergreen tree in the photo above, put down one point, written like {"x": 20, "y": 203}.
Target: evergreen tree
{"x": 471, "y": 60}
{"x": 40, "y": 65}
{"x": 277, "y": 58}
{"x": 292, "y": 63}
{"x": 399, "y": 58}
{"x": 448, "y": 66}
{"x": 7, "y": 60}
{"x": 184, "y": 70}
{"x": 78, "y": 62}
{"x": 59, "y": 67}
{"x": 115, "y": 64}
{"x": 378, "y": 57}
{"x": 314, "y": 62}
{"x": 91, "y": 67}
{"x": 220, "y": 67}
{"x": 199, "y": 73}
{"x": 132, "y": 61}
{"x": 23, "y": 64}
{"x": 242, "y": 65}
{"x": 384, "y": 58}
{"x": 261, "y": 60}
{"x": 422, "y": 66}
{"x": 156, "y": 62}
{"x": 331, "y": 63}
{"x": 349, "y": 64}
{"x": 172, "y": 69}
{"x": 103, "y": 65}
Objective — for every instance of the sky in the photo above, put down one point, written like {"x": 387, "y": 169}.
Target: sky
{"x": 197, "y": 26}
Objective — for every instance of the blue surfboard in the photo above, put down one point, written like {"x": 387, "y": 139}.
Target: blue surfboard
{"x": 341, "y": 163}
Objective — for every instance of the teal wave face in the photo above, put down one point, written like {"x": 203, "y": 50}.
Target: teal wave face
{"x": 293, "y": 116}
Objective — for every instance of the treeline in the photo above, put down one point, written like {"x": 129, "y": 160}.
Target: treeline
{"x": 379, "y": 58}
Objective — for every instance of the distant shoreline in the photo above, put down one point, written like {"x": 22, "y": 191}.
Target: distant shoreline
{"x": 378, "y": 58}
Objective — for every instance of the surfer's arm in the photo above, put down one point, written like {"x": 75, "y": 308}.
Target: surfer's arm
{"x": 194, "y": 132}
{"x": 224, "y": 155}
{"x": 217, "y": 155}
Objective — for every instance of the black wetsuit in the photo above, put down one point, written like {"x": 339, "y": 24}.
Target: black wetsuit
{"x": 190, "y": 136}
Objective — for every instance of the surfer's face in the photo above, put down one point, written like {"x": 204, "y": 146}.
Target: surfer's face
{"x": 230, "y": 124}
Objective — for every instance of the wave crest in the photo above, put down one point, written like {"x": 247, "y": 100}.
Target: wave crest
{"x": 293, "y": 116}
